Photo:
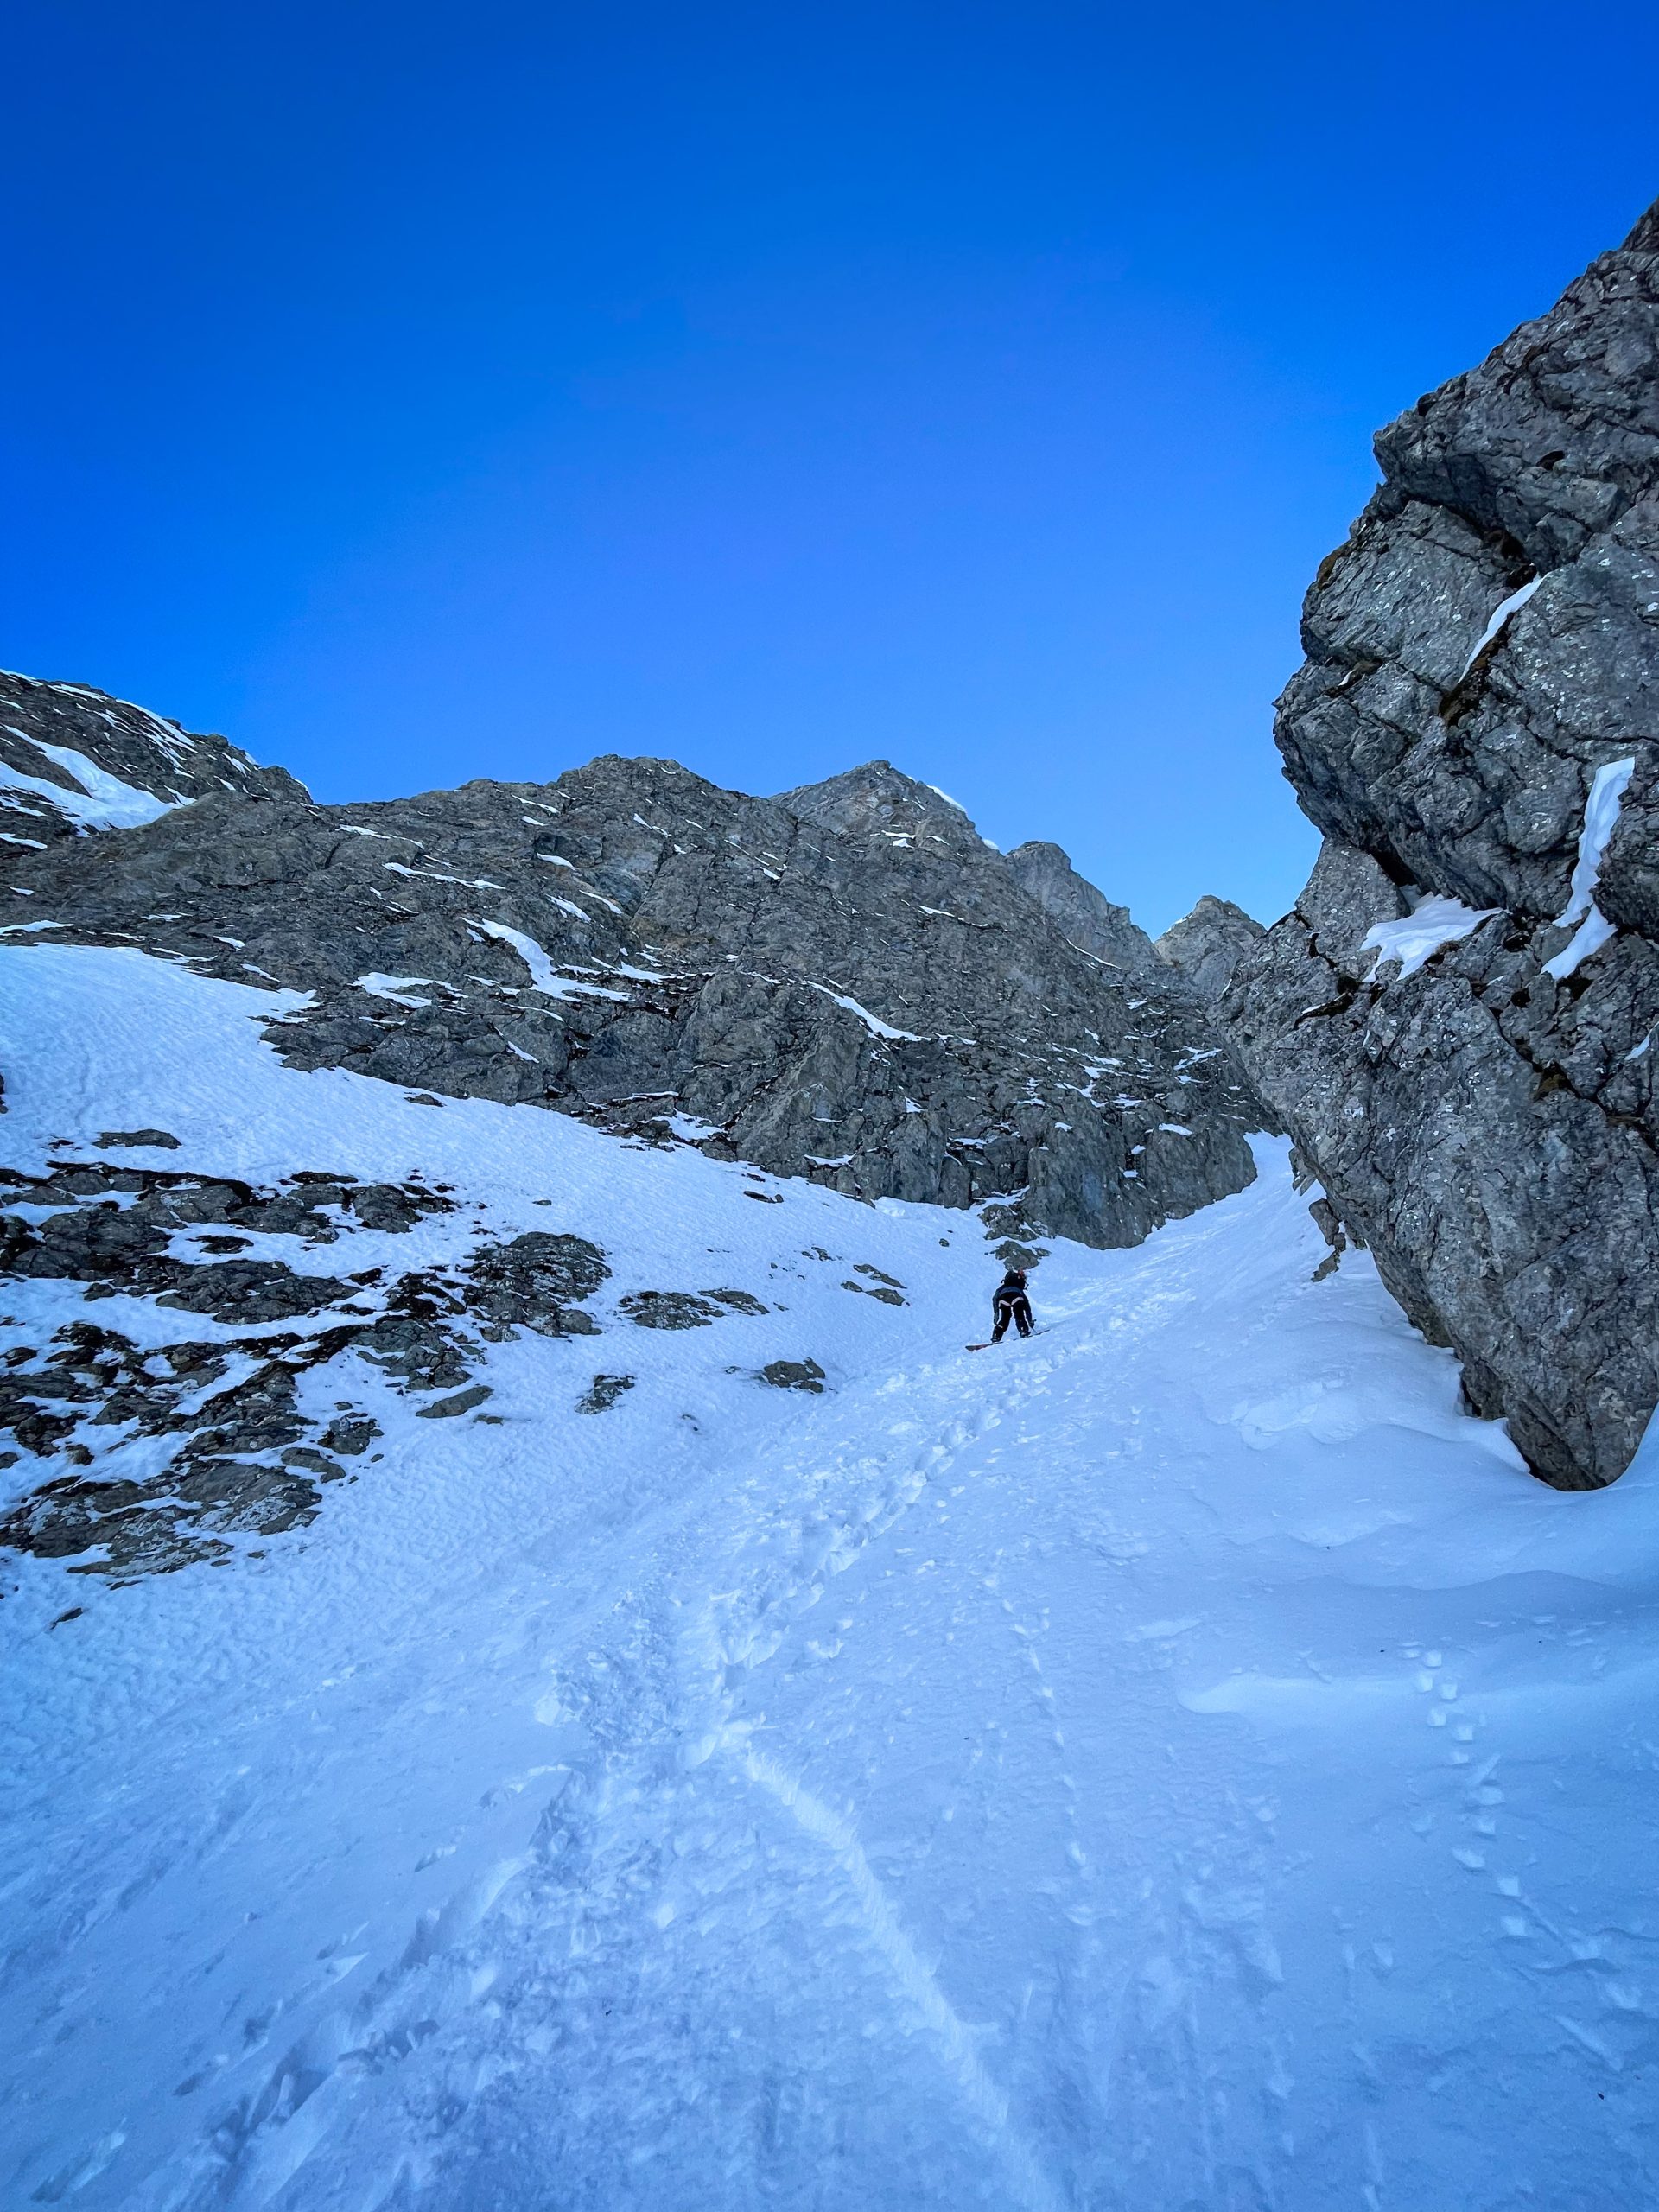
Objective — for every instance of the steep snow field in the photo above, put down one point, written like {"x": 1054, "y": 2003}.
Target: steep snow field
{"x": 1177, "y": 1764}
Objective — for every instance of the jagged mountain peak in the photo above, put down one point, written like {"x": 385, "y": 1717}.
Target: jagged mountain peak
{"x": 1085, "y": 915}
{"x": 1644, "y": 235}
{"x": 1207, "y": 945}
{"x": 74, "y": 759}
{"x": 877, "y": 798}
{"x": 843, "y": 982}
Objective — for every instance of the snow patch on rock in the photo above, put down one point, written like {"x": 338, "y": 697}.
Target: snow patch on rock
{"x": 1416, "y": 938}
{"x": 1601, "y": 819}
{"x": 101, "y": 802}
{"x": 1500, "y": 615}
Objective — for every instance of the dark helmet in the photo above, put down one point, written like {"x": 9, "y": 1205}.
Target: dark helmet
{"x": 1015, "y": 1275}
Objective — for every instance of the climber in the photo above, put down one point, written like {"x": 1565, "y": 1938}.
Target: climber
{"x": 1011, "y": 1304}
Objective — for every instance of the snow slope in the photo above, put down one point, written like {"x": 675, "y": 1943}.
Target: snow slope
{"x": 1178, "y": 1762}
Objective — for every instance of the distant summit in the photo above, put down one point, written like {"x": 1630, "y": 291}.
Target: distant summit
{"x": 845, "y": 983}
{"x": 1208, "y": 943}
{"x": 881, "y": 800}
{"x": 1083, "y": 914}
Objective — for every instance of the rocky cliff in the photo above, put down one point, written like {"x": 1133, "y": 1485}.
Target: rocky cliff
{"x": 1208, "y": 944}
{"x": 1079, "y": 911}
{"x": 1455, "y": 1020}
{"x": 844, "y": 983}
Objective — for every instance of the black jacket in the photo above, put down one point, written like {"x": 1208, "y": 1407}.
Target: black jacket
{"x": 1010, "y": 1304}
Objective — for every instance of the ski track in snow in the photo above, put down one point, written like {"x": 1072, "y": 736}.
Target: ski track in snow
{"x": 1178, "y": 1762}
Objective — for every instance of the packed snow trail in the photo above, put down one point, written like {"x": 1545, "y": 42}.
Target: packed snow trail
{"x": 1179, "y": 1761}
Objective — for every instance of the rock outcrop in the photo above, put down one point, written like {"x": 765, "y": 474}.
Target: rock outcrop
{"x": 1455, "y": 1020}
{"x": 845, "y": 983}
{"x": 1084, "y": 915}
{"x": 73, "y": 761}
{"x": 239, "y": 1451}
{"x": 1207, "y": 945}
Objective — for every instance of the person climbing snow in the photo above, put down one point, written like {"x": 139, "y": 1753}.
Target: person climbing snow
{"x": 1011, "y": 1304}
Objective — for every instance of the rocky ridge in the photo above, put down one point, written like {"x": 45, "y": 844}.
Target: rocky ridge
{"x": 844, "y": 983}
{"x": 74, "y": 761}
{"x": 1455, "y": 1019}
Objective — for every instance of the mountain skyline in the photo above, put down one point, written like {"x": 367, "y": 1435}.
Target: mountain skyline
{"x": 414, "y": 400}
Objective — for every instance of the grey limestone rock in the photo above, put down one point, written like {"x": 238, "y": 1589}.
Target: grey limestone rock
{"x": 1086, "y": 917}
{"x": 539, "y": 1281}
{"x": 240, "y": 1452}
{"x": 604, "y": 1392}
{"x": 239, "y": 1461}
{"x": 669, "y": 1309}
{"x": 75, "y": 762}
{"x": 1485, "y": 642}
{"x": 351, "y": 1434}
{"x": 845, "y": 983}
{"x": 253, "y": 1291}
{"x": 1207, "y": 945}
{"x": 448, "y": 1408}
{"x": 794, "y": 1374}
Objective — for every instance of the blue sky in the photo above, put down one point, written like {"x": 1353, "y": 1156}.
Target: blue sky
{"x": 419, "y": 392}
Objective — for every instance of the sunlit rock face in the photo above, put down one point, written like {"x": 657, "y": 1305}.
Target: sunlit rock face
{"x": 1081, "y": 912}
{"x": 845, "y": 983}
{"x": 1454, "y": 1020}
{"x": 1207, "y": 945}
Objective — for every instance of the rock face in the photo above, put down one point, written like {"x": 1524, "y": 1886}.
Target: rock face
{"x": 73, "y": 761}
{"x": 1083, "y": 914}
{"x": 1207, "y": 945}
{"x": 845, "y": 982}
{"x": 1476, "y": 731}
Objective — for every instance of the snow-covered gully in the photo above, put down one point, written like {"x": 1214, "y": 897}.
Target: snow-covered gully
{"x": 1177, "y": 1764}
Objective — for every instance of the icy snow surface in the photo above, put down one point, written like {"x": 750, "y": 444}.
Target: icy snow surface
{"x": 1417, "y": 937}
{"x": 1179, "y": 1764}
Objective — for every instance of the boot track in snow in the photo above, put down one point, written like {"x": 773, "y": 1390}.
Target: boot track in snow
{"x": 1190, "y": 1765}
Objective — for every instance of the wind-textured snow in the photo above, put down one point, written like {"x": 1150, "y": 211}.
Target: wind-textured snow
{"x": 1178, "y": 1762}
{"x": 1417, "y": 937}
{"x": 1601, "y": 819}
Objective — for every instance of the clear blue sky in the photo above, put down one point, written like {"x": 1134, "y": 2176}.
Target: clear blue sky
{"x": 417, "y": 392}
